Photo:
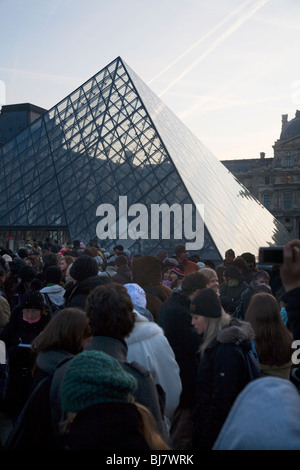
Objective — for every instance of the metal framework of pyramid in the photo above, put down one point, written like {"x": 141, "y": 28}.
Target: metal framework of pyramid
{"x": 114, "y": 137}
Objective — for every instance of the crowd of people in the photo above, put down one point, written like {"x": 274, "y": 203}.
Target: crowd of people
{"x": 114, "y": 351}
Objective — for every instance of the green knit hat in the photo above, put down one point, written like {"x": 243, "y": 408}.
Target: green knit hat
{"x": 94, "y": 377}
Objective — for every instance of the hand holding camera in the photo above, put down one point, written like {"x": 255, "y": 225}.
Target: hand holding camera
{"x": 290, "y": 268}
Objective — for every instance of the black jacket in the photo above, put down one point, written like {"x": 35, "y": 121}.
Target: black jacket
{"x": 76, "y": 294}
{"x": 175, "y": 319}
{"x": 222, "y": 374}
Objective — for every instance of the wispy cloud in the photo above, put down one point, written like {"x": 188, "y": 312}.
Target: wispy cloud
{"x": 44, "y": 76}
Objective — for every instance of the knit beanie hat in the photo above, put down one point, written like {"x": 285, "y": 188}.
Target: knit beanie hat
{"x": 53, "y": 275}
{"x": 94, "y": 377}
{"x": 83, "y": 267}
{"x": 206, "y": 304}
{"x": 137, "y": 294}
{"x": 26, "y": 273}
{"x": 33, "y": 299}
{"x": 179, "y": 270}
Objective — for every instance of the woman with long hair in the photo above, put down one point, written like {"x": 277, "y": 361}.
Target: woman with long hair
{"x": 225, "y": 366}
{"x": 273, "y": 340}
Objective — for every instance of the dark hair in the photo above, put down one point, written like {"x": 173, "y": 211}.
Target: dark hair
{"x": 261, "y": 273}
{"x": 193, "y": 281}
{"x": 110, "y": 310}
{"x": 65, "y": 332}
{"x": 273, "y": 340}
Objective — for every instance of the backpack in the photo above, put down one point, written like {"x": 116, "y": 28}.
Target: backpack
{"x": 52, "y": 306}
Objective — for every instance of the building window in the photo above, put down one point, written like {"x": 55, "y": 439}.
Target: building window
{"x": 267, "y": 180}
{"x": 267, "y": 201}
{"x": 287, "y": 200}
{"x": 287, "y": 160}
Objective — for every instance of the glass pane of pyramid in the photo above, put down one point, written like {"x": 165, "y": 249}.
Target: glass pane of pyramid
{"x": 113, "y": 140}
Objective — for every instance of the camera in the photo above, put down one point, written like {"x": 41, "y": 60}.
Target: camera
{"x": 270, "y": 255}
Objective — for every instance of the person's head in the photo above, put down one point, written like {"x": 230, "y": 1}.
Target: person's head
{"x": 193, "y": 282}
{"x": 137, "y": 294}
{"x": 121, "y": 260}
{"x": 212, "y": 277}
{"x": 240, "y": 263}
{"x": 176, "y": 276}
{"x": 229, "y": 256}
{"x": 208, "y": 316}
{"x": 33, "y": 261}
{"x": 33, "y": 306}
{"x": 232, "y": 275}
{"x": 53, "y": 275}
{"x": 161, "y": 255}
{"x": 23, "y": 253}
{"x": 250, "y": 260}
{"x": 181, "y": 253}
{"x": 94, "y": 377}
{"x": 83, "y": 267}
{"x": 110, "y": 311}
{"x": 26, "y": 273}
{"x": 65, "y": 263}
{"x": 261, "y": 277}
{"x": 118, "y": 248}
{"x": 272, "y": 338}
{"x": 68, "y": 330}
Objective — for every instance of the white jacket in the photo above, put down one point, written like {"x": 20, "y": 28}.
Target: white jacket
{"x": 148, "y": 345}
{"x": 55, "y": 293}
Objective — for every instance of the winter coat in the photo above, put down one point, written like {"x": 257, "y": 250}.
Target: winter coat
{"x": 123, "y": 276}
{"x": 146, "y": 272}
{"x": 230, "y": 297}
{"x": 76, "y": 294}
{"x": 175, "y": 320}
{"x": 146, "y": 393}
{"x": 265, "y": 416}
{"x": 33, "y": 429}
{"x": 148, "y": 345}
{"x": 21, "y": 359}
{"x": 55, "y": 293}
{"x": 222, "y": 374}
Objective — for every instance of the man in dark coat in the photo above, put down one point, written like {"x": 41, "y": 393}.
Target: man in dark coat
{"x": 175, "y": 319}
{"x": 231, "y": 290}
{"x": 84, "y": 271}
{"x": 110, "y": 310}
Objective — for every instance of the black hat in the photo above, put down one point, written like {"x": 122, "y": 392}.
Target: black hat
{"x": 206, "y": 304}
{"x": 26, "y": 273}
{"x": 83, "y": 267}
{"x": 33, "y": 299}
{"x": 53, "y": 275}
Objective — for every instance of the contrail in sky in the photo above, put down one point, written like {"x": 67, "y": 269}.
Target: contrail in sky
{"x": 215, "y": 44}
{"x": 209, "y": 33}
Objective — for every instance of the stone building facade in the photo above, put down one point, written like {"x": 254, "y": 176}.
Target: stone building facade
{"x": 275, "y": 181}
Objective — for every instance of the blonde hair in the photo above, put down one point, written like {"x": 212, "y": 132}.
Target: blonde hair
{"x": 212, "y": 327}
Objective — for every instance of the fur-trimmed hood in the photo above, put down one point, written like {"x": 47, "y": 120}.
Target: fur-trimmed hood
{"x": 237, "y": 332}
{"x": 143, "y": 329}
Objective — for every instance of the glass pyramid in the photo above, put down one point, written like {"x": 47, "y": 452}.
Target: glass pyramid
{"x": 114, "y": 137}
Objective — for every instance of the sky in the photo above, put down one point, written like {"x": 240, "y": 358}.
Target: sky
{"x": 229, "y": 69}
